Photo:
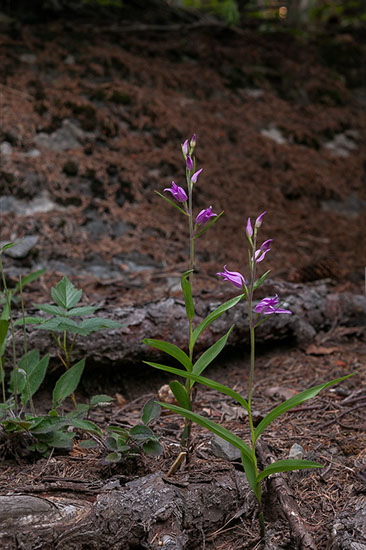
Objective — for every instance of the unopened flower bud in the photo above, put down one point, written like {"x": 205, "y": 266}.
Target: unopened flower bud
{"x": 185, "y": 148}
{"x": 189, "y": 163}
{"x": 258, "y": 221}
{"x": 193, "y": 141}
{"x": 195, "y": 176}
{"x": 249, "y": 229}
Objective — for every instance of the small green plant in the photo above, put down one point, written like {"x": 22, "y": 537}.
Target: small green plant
{"x": 122, "y": 441}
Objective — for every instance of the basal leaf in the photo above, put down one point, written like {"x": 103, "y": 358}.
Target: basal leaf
{"x": 172, "y": 350}
{"x": 101, "y": 399}
{"x": 47, "y": 424}
{"x": 205, "y": 381}
{"x": 141, "y": 432}
{"x": 150, "y": 411}
{"x": 152, "y": 447}
{"x": 214, "y": 315}
{"x": 65, "y": 294}
{"x": 180, "y": 394}
{"x": 87, "y": 444}
{"x": 214, "y": 428}
{"x": 287, "y": 466}
{"x": 4, "y": 325}
{"x": 209, "y": 355}
{"x": 67, "y": 383}
{"x": 35, "y": 378}
{"x": 113, "y": 457}
{"x": 293, "y": 402}
{"x": 86, "y": 426}
{"x": 187, "y": 292}
{"x": 58, "y": 439}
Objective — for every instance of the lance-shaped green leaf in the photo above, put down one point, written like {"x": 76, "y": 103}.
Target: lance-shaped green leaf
{"x": 35, "y": 378}
{"x": 287, "y": 466}
{"x": 172, "y": 203}
{"x": 205, "y": 381}
{"x": 28, "y": 279}
{"x": 187, "y": 292}
{"x": 214, "y": 428}
{"x": 250, "y": 472}
{"x": 67, "y": 383}
{"x": 86, "y": 426}
{"x": 65, "y": 294}
{"x": 8, "y": 245}
{"x": 293, "y": 402}
{"x": 214, "y": 220}
{"x": 87, "y": 326}
{"x": 214, "y": 315}
{"x": 172, "y": 350}
{"x": 261, "y": 279}
{"x": 180, "y": 394}
{"x": 209, "y": 355}
{"x": 4, "y": 325}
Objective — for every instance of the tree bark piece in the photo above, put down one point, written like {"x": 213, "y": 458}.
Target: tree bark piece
{"x": 146, "y": 513}
{"x": 277, "y": 483}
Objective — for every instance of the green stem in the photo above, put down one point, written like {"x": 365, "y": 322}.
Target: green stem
{"x": 26, "y": 350}
{"x": 8, "y": 303}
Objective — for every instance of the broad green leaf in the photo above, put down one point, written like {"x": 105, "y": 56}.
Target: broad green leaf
{"x": 152, "y": 447}
{"x": 209, "y": 355}
{"x": 187, "y": 292}
{"x": 172, "y": 350}
{"x": 67, "y": 383}
{"x": 35, "y": 378}
{"x": 101, "y": 399}
{"x": 113, "y": 457}
{"x": 180, "y": 394}
{"x": 86, "y": 426}
{"x": 80, "y": 411}
{"x": 65, "y": 294}
{"x": 5, "y": 314}
{"x": 293, "y": 402}
{"x": 59, "y": 440}
{"x": 87, "y": 326}
{"x": 28, "y": 279}
{"x": 214, "y": 315}
{"x": 29, "y": 361}
{"x": 52, "y": 310}
{"x": 205, "y": 381}
{"x": 261, "y": 280}
{"x": 17, "y": 380}
{"x": 172, "y": 203}
{"x": 117, "y": 430}
{"x": 141, "y": 432}
{"x": 16, "y": 425}
{"x": 4, "y": 325}
{"x": 59, "y": 324}
{"x": 46, "y": 424}
{"x": 30, "y": 321}
{"x": 287, "y": 466}
{"x": 214, "y": 428}
{"x": 150, "y": 411}
{"x": 82, "y": 310}
{"x": 214, "y": 220}
{"x": 87, "y": 444}
{"x": 111, "y": 443}
{"x": 250, "y": 472}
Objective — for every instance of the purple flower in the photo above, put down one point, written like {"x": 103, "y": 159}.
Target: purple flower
{"x": 258, "y": 221}
{"x": 233, "y": 277}
{"x": 177, "y": 192}
{"x": 195, "y": 176}
{"x": 267, "y": 306}
{"x": 193, "y": 141}
{"x": 260, "y": 254}
{"x": 249, "y": 229}
{"x": 189, "y": 162}
{"x": 204, "y": 216}
{"x": 185, "y": 147}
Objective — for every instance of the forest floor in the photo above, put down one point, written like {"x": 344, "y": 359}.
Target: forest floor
{"x": 92, "y": 118}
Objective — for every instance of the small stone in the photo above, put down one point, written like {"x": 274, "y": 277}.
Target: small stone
{"x": 33, "y": 153}
{"x": 296, "y": 452}
{"x": 21, "y": 249}
{"x": 29, "y": 58}
{"x": 6, "y": 149}
{"x": 274, "y": 134}
{"x": 222, "y": 449}
{"x": 70, "y": 60}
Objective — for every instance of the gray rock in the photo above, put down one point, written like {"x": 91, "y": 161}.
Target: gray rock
{"x": 6, "y": 149}
{"x": 342, "y": 144}
{"x": 66, "y": 137}
{"x": 296, "y": 452}
{"x": 351, "y": 207}
{"x": 275, "y": 134}
{"x": 21, "y": 249}
{"x": 222, "y": 449}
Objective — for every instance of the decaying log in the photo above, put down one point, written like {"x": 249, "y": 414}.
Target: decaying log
{"x": 277, "y": 483}
{"x": 313, "y": 307}
{"x": 150, "y": 512}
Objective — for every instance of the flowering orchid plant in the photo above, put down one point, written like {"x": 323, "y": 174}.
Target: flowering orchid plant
{"x": 257, "y": 314}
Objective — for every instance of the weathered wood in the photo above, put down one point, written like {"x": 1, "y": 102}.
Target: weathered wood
{"x": 141, "y": 514}
{"x": 314, "y": 309}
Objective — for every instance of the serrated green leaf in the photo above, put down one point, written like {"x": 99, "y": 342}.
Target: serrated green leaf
{"x": 214, "y": 428}
{"x": 52, "y": 310}
{"x": 101, "y": 399}
{"x": 35, "y": 378}
{"x": 180, "y": 394}
{"x": 65, "y": 294}
{"x": 152, "y": 447}
{"x": 187, "y": 292}
{"x": 214, "y": 315}
{"x": 293, "y": 402}
{"x": 46, "y": 424}
{"x": 113, "y": 457}
{"x": 87, "y": 326}
{"x": 87, "y": 444}
{"x": 150, "y": 411}
{"x": 172, "y": 203}
{"x": 86, "y": 426}
{"x": 261, "y": 280}
{"x": 287, "y": 466}
{"x": 59, "y": 324}
{"x": 67, "y": 383}
{"x": 214, "y": 220}
{"x": 30, "y": 321}
{"x": 211, "y": 353}
{"x": 4, "y": 325}
{"x": 205, "y": 381}
{"x": 172, "y": 350}
{"x": 82, "y": 310}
